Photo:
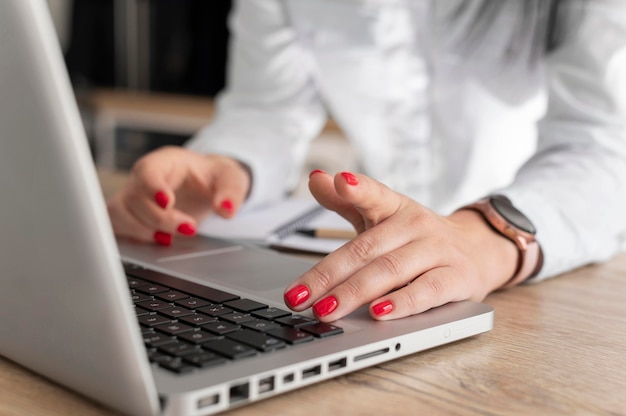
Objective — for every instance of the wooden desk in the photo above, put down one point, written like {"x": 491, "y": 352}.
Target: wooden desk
{"x": 558, "y": 347}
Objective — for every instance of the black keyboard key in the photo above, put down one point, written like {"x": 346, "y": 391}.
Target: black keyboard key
{"x": 192, "y": 303}
{"x": 297, "y": 321}
{"x": 237, "y": 317}
{"x": 197, "y": 337}
{"x": 173, "y": 328}
{"x": 151, "y": 289}
{"x": 178, "y": 348}
{"x": 171, "y": 296}
{"x": 245, "y": 305}
{"x": 323, "y": 329}
{"x": 204, "y": 359}
{"x": 140, "y": 297}
{"x": 176, "y": 365}
{"x": 198, "y": 319}
{"x": 291, "y": 335}
{"x": 153, "y": 305}
{"x": 215, "y": 310}
{"x": 260, "y": 325}
{"x": 175, "y": 312}
{"x": 257, "y": 340}
{"x": 271, "y": 313}
{"x": 228, "y": 348}
{"x": 153, "y": 320}
{"x": 141, "y": 311}
{"x": 134, "y": 282}
{"x": 221, "y": 327}
{"x": 156, "y": 339}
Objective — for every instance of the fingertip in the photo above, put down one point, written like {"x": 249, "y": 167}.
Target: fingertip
{"x": 316, "y": 171}
{"x": 161, "y": 199}
{"x": 350, "y": 178}
{"x": 381, "y": 309}
{"x": 187, "y": 229}
{"x": 163, "y": 238}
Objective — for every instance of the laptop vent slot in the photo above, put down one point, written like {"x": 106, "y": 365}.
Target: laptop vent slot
{"x": 371, "y": 354}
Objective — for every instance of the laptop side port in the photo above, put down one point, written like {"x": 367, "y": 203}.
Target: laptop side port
{"x": 266, "y": 384}
{"x": 239, "y": 392}
{"x": 310, "y": 372}
{"x": 337, "y": 364}
{"x": 371, "y": 354}
{"x": 207, "y": 401}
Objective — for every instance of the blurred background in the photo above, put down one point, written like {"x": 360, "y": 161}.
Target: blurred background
{"x": 146, "y": 72}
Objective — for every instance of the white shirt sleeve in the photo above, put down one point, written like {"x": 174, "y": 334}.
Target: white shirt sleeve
{"x": 574, "y": 188}
{"x": 270, "y": 110}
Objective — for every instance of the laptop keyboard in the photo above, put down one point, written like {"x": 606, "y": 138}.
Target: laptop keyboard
{"x": 187, "y": 326}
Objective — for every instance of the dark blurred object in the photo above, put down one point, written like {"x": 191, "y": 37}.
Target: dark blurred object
{"x": 186, "y": 45}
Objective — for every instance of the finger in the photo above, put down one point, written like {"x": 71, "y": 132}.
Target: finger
{"x": 387, "y": 272}
{"x": 156, "y": 175}
{"x": 231, "y": 185}
{"x": 345, "y": 262}
{"x": 433, "y": 288}
{"x": 373, "y": 200}
{"x": 125, "y": 224}
{"x": 322, "y": 188}
{"x": 151, "y": 216}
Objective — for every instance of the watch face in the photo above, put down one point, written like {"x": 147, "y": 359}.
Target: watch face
{"x": 512, "y": 214}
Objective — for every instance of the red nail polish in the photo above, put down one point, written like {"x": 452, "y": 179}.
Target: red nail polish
{"x": 382, "y": 308}
{"x": 161, "y": 199}
{"x": 162, "y": 238}
{"x": 227, "y": 205}
{"x": 313, "y": 172}
{"x": 350, "y": 178}
{"x": 297, "y": 295}
{"x": 325, "y": 306}
{"x": 186, "y": 229}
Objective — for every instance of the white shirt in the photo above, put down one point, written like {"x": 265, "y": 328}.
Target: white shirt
{"x": 442, "y": 123}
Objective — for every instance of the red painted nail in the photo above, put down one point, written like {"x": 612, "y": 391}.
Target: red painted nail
{"x": 227, "y": 205}
{"x": 325, "y": 306}
{"x": 162, "y": 238}
{"x": 350, "y": 178}
{"x": 186, "y": 229}
{"x": 313, "y": 172}
{"x": 382, "y": 308}
{"x": 161, "y": 199}
{"x": 297, "y": 295}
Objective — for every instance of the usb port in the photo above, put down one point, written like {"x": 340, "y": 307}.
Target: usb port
{"x": 266, "y": 384}
{"x": 337, "y": 364}
{"x": 310, "y": 372}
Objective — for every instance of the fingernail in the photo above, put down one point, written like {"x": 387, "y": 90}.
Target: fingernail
{"x": 227, "y": 205}
{"x": 382, "y": 308}
{"x": 313, "y": 172}
{"x": 350, "y": 178}
{"x": 297, "y": 295}
{"x": 162, "y": 238}
{"x": 325, "y": 306}
{"x": 161, "y": 199}
{"x": 186, "y": 229}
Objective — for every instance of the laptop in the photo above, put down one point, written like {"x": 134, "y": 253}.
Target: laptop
{"x": 192, "y": 329}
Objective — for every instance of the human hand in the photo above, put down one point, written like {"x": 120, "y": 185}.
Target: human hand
{"x": 405, "y": 260}
{"x": 171, "y": 189}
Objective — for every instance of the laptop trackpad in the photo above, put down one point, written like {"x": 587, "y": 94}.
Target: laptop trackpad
{"x": 225, "y": 263}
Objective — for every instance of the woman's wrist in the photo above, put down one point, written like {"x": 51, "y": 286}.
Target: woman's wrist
{"x": 495, "y": 256}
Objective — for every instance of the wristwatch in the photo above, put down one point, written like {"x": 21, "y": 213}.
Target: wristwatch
{"x": 508, "y": 221}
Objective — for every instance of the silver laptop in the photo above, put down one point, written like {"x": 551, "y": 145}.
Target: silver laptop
{"x": 192, "y": 329}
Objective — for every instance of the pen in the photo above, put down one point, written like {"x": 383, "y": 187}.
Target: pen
{"x": 328, "y": 233}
